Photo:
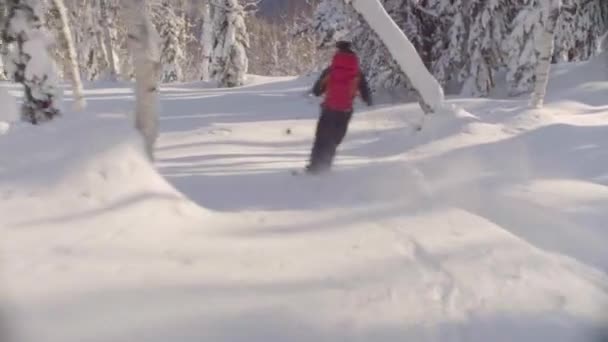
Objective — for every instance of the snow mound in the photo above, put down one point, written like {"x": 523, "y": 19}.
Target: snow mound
{"x": 84, "y": 164}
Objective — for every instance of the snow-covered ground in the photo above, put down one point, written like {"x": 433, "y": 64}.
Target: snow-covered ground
{"x": 488, "y": 226}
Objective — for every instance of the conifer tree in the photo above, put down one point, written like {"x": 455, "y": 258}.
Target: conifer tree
{"x": 29, "y": 61}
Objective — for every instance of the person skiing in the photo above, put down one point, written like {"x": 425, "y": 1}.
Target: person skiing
{"x": 341, "y": 82}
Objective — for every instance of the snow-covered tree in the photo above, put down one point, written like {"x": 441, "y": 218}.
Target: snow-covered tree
{"x": 109, "y": 37}
{"x": 590, "y": 28}
{"x": 74, "y": 70}
{"x": 144, "y": 43}
{"x": 29, "y": 62}
{"x": 580, "y": 27}
{"x": 544, "y": 46}
{"x": 3, "y": 17}
{"x": 229, "y": 62}
{"x": 565, "y": 32}
{"x": 91, "y": 49}
{"x": 484, "y": 54}
{"x": 334, "y": 20}
{"x": 171, "y": 27}
{"x": 430, "y": 92}
{"x": 521, "y": 48}
{"x": 206, "y": 41}
{"x": 450, "y": 38}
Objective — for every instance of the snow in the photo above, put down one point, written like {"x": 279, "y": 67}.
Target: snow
{"x": 9, "y": 112}
{"x": 487, "y": 226}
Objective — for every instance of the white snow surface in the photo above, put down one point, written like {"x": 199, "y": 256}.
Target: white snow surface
{"x": 8, "y": 110}
{"x": 488, "y": 226}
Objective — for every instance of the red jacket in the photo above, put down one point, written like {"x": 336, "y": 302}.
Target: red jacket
{"x": 342, "y": 82}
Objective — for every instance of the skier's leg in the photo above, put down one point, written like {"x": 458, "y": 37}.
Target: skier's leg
{"x": 323, "y": 141}
{"x": 342, "y": 126}
{"x": 339, "y": 128}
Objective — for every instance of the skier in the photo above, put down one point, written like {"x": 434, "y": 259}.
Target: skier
{"x": 341, "y": 82}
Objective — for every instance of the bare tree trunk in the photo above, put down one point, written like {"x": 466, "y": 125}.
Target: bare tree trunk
{"x": 144, "y": 44}
{"x": 404, "y": 53}
{"x": 545, "y": 53}
{"x": 107, "y": 37}
{"x": 207, "y": 40}
{"x": 74, "y": 70}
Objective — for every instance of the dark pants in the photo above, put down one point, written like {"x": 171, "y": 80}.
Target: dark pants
{"x": 331, "y": 130}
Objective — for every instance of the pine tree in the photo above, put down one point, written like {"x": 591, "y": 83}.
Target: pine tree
{"x": 486, "y": 34}
{"x": 229, "y": 60}
{"x": 590, "y": 28}
{"x": 171, "y": 27}
{"x": 579, "y": 29}
{"x": 565, "y": 40}
{"x": 29, "y": 62}
{"x": 449, "y": 39}
{"x": 520, "y": 46}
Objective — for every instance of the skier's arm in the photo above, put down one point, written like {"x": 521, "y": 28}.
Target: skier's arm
{"x": 319, "y": 88}
{"x": 366, "y": 93}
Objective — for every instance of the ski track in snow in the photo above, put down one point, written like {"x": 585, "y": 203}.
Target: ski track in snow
{"x": 480, "y": 227}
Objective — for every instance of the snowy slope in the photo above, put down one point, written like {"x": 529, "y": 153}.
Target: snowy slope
{"x": 483, "y": 227}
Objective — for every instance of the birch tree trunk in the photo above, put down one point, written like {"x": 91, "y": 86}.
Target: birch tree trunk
{"x": 207, "y": 41}
{"x": 74, "y": 69}
{"x": 545, "y": 52}
{"x": 403, "y": 51}
{"x": 107, "y": 39}
{"x": 144, "y": 44}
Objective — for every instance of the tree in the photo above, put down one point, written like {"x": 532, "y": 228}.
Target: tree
{"x": 29, "y": 62}
{"x": 206, "y": 40}
{"x": 484, "y": 54}
{"x": 229, "y": 60}
{"x": 450, "y": 38}
{"x": 107, "y": 24}
{"x": 90, "y": 44}
{"x": 550, "y": 13}
{"x": 334, "y": 20}
{"x": 171, "y": 28}
{"x": 68, "y": 42}
{"x": 144, "y": 44}
{"x": 381, "y": 69}
{"x": 3, "y": 17}
{"x": 403, "y": 51}
{"x": 565, "y": 33}
{"x": 520, "y": 46}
